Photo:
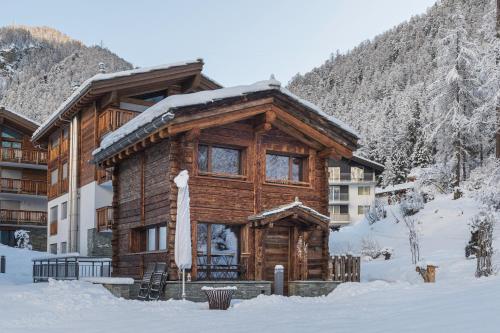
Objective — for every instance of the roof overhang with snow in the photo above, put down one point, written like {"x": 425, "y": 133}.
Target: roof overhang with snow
{"x": 367, "y": 162}
{"x": 295, "y": 211}
{"x": 19, "y": 120}
{"x": 104, "y": 83}
{"x": 196, "y": 111}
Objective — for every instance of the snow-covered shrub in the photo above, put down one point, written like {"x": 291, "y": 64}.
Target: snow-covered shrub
{"x": 483, "y": 183}
{"x": 412, "y": 203}
{"x": 387, "y": 252}
{"x": 22, "y": 239}
{"x": 370, "y": 248}
{"x": 438, "y": 177}
{"x": 413, "y": 238}
{"x": 376, "y": 213}
{"x": 482, "y": 226}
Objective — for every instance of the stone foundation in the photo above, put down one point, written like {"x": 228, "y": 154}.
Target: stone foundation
{"x": 311, "y": 288}
{"x": 246, "y": 289}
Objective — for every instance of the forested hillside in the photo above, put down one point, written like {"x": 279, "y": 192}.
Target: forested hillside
{"x": 40, "y": 67}
{"x": 422, "y": 93}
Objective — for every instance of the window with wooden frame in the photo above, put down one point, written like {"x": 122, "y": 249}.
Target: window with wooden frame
{"x": 220, "y": 160}
{"x": 286, "y": 169}
{"x": 148, "y": 239}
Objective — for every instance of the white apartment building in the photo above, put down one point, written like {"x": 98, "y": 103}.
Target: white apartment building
{"x": 352, "y": 188}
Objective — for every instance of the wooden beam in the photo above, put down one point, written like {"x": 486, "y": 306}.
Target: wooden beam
{"x": 108, "y": 99}
{"x": 163, "y": 133}
{"x": 193, "y": 134}
{"x": 262, "y": 128}
{"x": 329, "y": 153}
{"x": 297, "y": 134}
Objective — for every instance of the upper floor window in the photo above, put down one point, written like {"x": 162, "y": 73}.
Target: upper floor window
{"x": 53, "y": 214}
{"x": 65, "y": 170}
{"x": 54, "y": 142}
{"x": 363, "y": 190}
{"x": 219, "y": 160}
{"x": 64, "y": 210}
{"x": 357, "y": 174}
{"x": 285, "y": 168}
{"x": 8, "y": 133}
{"x": 363, "y": 209}
{"x": 54, "y": 174}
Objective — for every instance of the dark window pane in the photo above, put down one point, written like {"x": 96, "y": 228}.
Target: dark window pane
{"x": 11, "y": 134}
{"x": 297, "y": 169}
{"x": 276, "y": 167}
{"x": 225, "y": 160}
{"x": 203, "y": 158}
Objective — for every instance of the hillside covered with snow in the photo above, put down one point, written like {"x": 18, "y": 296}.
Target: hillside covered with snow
{"x": 40, "y": 67}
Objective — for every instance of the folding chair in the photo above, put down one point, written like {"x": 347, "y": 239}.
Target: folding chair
{"x": 146, "y": 281}
{"x": 158, "y": 280}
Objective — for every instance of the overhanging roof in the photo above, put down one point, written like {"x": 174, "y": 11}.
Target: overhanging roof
{"x": 102, "y": 83}
{"x": 23, "y": 121}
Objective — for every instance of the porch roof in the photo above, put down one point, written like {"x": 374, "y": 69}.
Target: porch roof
{"x": 297, "y": 209}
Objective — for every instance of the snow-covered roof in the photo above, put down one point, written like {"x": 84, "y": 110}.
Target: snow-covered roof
{"x": 395, "y": 188}
{"x": 283, "y": 208}
{"x": 372, "y": 163}
{"x": 166, "y": 108}
{"x": 98, "y": 78}
{"x": 34, "y": 122}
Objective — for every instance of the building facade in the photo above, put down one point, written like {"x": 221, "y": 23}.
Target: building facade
{"x": 257, "y": 157}
{"x": 23, "y": 182}
{"x": 352, "y": 188}
{"x": 80, "y": 194}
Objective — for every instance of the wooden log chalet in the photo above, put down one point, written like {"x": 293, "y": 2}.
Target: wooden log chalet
{"x": 257, "y": 159}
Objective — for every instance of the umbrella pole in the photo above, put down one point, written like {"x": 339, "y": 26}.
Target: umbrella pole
{"x": 183, "y": 284}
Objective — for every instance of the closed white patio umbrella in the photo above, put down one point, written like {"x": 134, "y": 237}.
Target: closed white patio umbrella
{"x": 183, "y": 255}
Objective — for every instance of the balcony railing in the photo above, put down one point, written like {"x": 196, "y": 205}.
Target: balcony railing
{"x": 104, "y": 218}
{"x": 340, "y": 218}
{"x": 60, "y": 150}
{"x": 23, "y": 186}
{"x": 112, "y": 119}
{"x": 339, "y": 196}
{"x": 70, "y": 267}
{"x": 12, "y": 216}
{"x": 53, "y": 228}
{"x": 348, "y": 177}
{"x": 23, "y": 156}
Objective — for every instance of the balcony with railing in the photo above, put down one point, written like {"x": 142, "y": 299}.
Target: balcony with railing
{"x": 339, "y": 196}
{"x": 23, "y": 186}
{"x": 104, "y": 218}
{"x": 16, "y": 155}
{"x": 23, "y": 217}
{"x": 351, "y": 178}
{"x": 113, "y": 118}
{"x": 339, "y": 218}
{"x": 59, "y": 151}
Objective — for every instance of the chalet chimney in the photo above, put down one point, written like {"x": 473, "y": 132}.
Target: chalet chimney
{"x": 102, "y": 68}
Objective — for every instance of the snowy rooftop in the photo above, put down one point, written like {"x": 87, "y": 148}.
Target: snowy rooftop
{"x": 4, "y": 109}
{"x": 364, "y": 159}
{"x": 167, "y": 106}
{"x": 103, "y": 77}
{"x": 395, "y": 188}
{"x": 283, "y": 208}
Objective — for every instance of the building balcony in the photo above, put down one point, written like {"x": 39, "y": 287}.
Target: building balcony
{"x": 23, "y": 186}
{"x": 339, "y": 197}
{"x": 111, "y": 119}
{"x": 104, "y": 218}
{"x": 340, "y": 218}
{"x": 58, "y": 188}
{"x": 59, "y": 151}
{"x": 350, "y": 178}
{"x": 15, "y": 156}
{"x": 23, "y": 217}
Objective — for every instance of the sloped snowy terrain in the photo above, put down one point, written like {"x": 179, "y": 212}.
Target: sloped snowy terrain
{"x": 391, "y": 297}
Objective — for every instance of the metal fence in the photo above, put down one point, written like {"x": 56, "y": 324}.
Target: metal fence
{"x": 71, "y": 267}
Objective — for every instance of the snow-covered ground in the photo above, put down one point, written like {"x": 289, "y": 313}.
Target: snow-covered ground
{"x": 390, "y": 298}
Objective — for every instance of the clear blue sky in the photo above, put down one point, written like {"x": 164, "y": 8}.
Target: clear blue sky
{"x": 240, "y": 41}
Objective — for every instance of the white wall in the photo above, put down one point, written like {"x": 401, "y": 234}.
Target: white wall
{"x": 92, "y": 196}
{"x": 356, "y": 200}
{"x": 62, "y": 224}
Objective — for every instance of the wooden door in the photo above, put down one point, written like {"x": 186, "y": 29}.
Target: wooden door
{"x": 277, "y": 252}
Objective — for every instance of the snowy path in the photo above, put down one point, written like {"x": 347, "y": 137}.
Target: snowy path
{"x": 391, "y": 299}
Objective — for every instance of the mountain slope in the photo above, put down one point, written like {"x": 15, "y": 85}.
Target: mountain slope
{"x": 39, "y": 68}
{"x": 422, "y": 93}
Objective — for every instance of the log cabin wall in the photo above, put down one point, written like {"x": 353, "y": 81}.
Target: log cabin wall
{"x": 145, "y": 194}
{"x": 87, "y": 144}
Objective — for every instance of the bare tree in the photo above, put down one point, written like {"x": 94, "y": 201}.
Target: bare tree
{"x": 482, "y": 227}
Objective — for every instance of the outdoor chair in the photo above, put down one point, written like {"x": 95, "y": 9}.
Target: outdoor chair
{"x": 158, "y": 279}
{"x": 146, "y": 281}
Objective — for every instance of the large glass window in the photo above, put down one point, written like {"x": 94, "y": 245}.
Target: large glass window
{"x": 149, "y": 239}
{"x": 219, "y": 160}
{"x": 363, "y": 190}
{"x": 162, "y": 238}
{"x": 65, "y": 170}
{"x": 54, "y": 174}
{"x": 64, "y": 210}
{"x": 284, "y": 168}
{"x": 217, "y": 246}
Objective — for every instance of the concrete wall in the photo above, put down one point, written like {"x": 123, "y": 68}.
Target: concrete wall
{"x": 246, "y": 289}
{"x": 62, "y": 224}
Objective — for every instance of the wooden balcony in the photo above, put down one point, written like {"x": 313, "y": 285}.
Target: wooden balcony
{"x": 23, "y": 217}
{"x": 53, "y": 228}
{"x": 23, "y": 156}
{"x": 111, "y": 119}
{"x": 104, "y": 218}
{"x": 59, "y": 151}
{"x": 23, "y": 186}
